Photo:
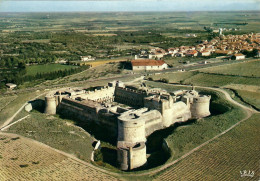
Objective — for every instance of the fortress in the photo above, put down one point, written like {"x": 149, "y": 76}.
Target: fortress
{"x": 130, "y": 113}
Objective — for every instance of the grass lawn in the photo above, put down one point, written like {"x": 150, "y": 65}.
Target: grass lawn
{"x": 34, "y": 69}
{"x": 222, "y": 159}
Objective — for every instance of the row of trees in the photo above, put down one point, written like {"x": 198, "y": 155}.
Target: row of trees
{"x": 18, "y": 75}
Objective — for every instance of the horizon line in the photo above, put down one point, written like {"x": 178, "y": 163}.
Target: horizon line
{"x": 133, "y": 11}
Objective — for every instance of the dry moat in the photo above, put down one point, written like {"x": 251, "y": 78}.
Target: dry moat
{"x": 129, "y": 118}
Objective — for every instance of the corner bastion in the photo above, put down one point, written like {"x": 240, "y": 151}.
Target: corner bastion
{"x": 131, "y": 114}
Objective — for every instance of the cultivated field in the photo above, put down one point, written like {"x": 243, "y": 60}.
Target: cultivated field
{"x": 207, "y": 79}
{"x": 23, "y": 159}
{"x": 252, "y": 98}
{"x": 224, "y": 158}
{"x": 102, "y": 62}
{"x": 106, "y": 23}
{"x": 34, "y": 69}
{"x": 105, "y": 71}
{"x": 58, "y": 133}
{"x": 250, "y": 69}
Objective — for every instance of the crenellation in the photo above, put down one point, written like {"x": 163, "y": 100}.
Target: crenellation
{"x": 147, "y": 110}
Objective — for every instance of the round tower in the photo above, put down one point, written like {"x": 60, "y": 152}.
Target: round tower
{"x": 50, "y": 105}
{"x": 131, "y": 148}
{"x": 200, "y": 106}
{"x": 131, "y": 129}
{"x": 132, "y": 157}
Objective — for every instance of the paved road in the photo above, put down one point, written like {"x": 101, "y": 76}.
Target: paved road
{"x": 187, "y": 68}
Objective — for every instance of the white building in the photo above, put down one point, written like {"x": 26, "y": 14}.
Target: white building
{"x": 11, "y": 85}
{"x": 204, "y": 53}
{"x": 238, "y": 56}
{"x": 148, "y": 64}
{"x": 87, "y": 58}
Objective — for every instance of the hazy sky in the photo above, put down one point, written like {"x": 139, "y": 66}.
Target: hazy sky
{"x": 126, "y": 5}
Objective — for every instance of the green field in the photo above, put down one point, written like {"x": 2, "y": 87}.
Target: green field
{"x": 252, "y": 98}
{"x": 250, "y": 69}
{"x": 222, "y": 159}
{"x": 34, "y": 69}
{"x": 206, "y": 79}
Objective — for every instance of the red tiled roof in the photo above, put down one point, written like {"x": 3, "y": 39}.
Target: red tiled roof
{"x": 147, "y": 62}
{"x": 239, "y": 54}
{"x": 192, "y": 52}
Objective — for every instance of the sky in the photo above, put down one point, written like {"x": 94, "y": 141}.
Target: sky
{"x": 126, "y": 5}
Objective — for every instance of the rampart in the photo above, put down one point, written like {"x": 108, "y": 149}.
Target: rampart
{"x": 146, "y": 111}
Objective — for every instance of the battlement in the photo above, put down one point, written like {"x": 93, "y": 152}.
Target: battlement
{"x": 202, "y": 99}
{"x": 146, "y": 111}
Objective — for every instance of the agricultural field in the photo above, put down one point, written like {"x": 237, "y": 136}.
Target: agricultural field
{"x": 105, "y": 71}
{"x": 252, "y": 98}
{"x": 250, "y": 69}
{"x": 47, "y": 68}
{"x": 24, "y": 159}
{"x": 206, "y": 79}
{"x": 109, "y": 22}
{"x": 96, "y": 63}
{"x": 222, "y": 159}
{"x": 56, "y": 132}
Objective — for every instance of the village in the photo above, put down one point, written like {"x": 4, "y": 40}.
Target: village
{"x": 229, "y": 47}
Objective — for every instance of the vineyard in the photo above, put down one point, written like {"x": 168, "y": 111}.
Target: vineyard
{"x": 243, "y": 69}
{"x": 242, "y": 73}
{"x": 224, "y": 158}
{"x": 23, "y": 159}
{"x": 55, "y": 132}
{"x": 253, "y": 98}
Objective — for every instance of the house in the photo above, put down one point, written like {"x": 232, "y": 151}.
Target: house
{"x": 157, "y": 53}
{"x": 238, "y": 56}
{"x": 87, "y": 58}
{"x": 148, "y": 64}
{"x": 11, "y": 85}
{"x": 204, "y": 53}
{"x": 141, "y": 56}
{"x": 192, "y": 53}
{"x": 172, "y": 51}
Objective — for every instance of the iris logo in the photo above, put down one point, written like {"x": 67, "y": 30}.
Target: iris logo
{"x": 246, "y": 173}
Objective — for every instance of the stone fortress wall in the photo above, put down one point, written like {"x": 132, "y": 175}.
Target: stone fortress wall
{"x": 143, "y": 112}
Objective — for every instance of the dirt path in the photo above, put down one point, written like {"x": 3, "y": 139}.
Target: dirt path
{"x": 249, "y": 112}
{"x": 9, "y": 125}
{"x": 8, "y": 121}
